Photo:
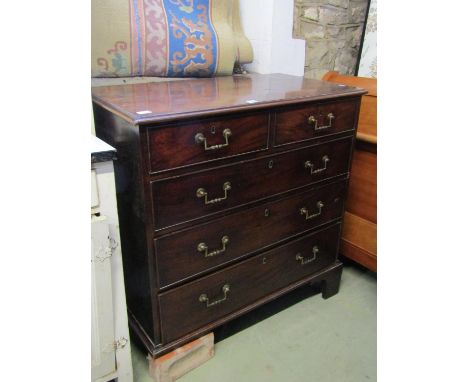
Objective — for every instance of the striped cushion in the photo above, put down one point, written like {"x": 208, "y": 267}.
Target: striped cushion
{"x": 168, "y": 38}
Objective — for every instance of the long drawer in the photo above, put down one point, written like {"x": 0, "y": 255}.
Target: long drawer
{"x": 302, "y": 123}
{"x": 199, "y": 249}
{"x": 189, "y": 307}
{"x": 194, "y": 196}
{"x": 204, "y": 140}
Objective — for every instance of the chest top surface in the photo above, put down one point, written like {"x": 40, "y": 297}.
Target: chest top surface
{"x": 160, "y": 101}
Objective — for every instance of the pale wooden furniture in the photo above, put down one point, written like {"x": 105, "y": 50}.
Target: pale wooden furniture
{"x": 110, "y": 346}
{"x": 359, "y": 240}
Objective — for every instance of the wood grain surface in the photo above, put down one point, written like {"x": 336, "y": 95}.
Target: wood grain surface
{"x": 162, "y": 101}
{"x": 160, "y": 167}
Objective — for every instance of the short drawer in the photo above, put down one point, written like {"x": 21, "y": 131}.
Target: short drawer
{"x": 199, "y": 249}
{"x": 302, "y": 123}
{"x": 183, "y": 144}
{"x": 193, "y": 305}
{"x": 194, "y": 196}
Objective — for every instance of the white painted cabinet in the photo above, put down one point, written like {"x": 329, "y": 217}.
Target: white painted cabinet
{"x": 110, "y": 346}
{"x": 102, "y": 323}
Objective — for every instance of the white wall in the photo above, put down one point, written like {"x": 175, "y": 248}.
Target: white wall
{"x": 268, "y": 24}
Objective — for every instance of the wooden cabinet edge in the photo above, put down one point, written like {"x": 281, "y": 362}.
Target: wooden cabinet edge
{"x": 323, "y": 276}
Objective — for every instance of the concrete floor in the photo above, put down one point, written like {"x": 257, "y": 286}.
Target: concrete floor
{"x": 297, "y": 338}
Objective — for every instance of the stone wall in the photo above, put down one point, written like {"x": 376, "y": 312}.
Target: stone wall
{"x": 332, "y": 30}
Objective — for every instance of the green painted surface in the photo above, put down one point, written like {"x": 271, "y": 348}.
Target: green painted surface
{"x": 298, "y": 338}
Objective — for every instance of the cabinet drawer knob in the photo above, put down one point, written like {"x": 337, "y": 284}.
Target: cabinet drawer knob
{"x": 305, "y": 261}
{"x": 201, "y": 139}
{"x": 201, "y": 193}
{"x": 309, "y": 164}
{"x": 204, "y": 298}
{"x": 305, "y": 211}
{"x": 202, "y": 247}
{"x": 313, "y": 122}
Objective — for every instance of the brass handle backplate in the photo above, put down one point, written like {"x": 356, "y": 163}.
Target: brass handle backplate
{"x": 305, "y": 261}
{"x": 204, "y": 298}
{"x": 305, "y": 211}
{"x": 201, "y": 139}
{"x": 201, "y": 193}
{"x": 309, "y": 164}
{"x": 313, "y": 121}
{"x": 202, "y": 247}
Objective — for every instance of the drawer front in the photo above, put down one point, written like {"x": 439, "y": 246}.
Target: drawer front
{"x": 199, "y": 249}
{"x": 200, "y": 302}
{"x": 184, "y": 144}
{"x": 195, "y": 196}
{"x": 304, "y": 123}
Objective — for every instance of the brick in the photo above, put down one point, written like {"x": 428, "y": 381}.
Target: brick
{"x": 319, "y": 54}
{"x": 358, "y": 14}
{"x": 353, "y": 36}
{"x": 312, "y": 30}
{"x": 339, "y": 3}
{"x": 332, "y": 15}
{"x": 179, "y": 362}
{"x": 345, "y": 61}
{"x": 334, "y": 31}
{"x": 311, "y": 13}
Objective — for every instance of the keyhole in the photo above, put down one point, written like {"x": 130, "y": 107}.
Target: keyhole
{"x": 267, "y": 212}
{"x": 213, "y": 129}
{"x": 264, "y": 260}
{"x": 270, "y": 164}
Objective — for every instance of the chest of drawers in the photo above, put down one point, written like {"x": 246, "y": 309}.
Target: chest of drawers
{"x": 230, "y": 193}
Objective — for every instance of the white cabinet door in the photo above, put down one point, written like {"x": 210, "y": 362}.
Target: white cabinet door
{"x": 94, "y": 190}
{"x": 102, "y": 323}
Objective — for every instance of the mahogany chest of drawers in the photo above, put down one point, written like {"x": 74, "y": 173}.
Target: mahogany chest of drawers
{"x": 230, "y": 193}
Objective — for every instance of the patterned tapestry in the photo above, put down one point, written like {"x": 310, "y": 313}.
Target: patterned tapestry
{"x": 168, "y": 38}
{"x": 368, "y": 62}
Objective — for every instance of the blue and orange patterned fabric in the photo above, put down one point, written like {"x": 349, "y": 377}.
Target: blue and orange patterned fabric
{"x": 168, "y": 38}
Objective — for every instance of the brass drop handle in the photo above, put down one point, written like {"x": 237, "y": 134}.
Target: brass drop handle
{"x": 305, "y": 261}
{"x": 313, "y": 121}
{"x": 201, "y": 192}
{"x": 202, "y": 247}
{"x": 309, "y": 164}
{"x": 201, "y": 139}
{"x": 204, "y": 298}
{"x": 305, "y": 211}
